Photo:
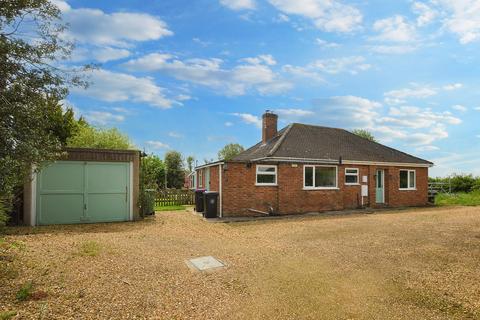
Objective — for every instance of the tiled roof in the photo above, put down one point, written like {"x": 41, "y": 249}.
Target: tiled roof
{"x": 315, "y": 142}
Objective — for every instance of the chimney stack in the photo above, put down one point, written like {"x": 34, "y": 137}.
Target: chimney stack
{"x": 269, "y": 126}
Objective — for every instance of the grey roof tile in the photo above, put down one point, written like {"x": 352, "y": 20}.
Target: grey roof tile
{"x": 323, "y": 143}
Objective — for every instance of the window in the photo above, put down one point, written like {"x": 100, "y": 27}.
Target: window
{"x": 319, "y": 177}
{"x": 266, "y": 175}
{"x": 200, "y": 178}
{"x": 351, "y": 176}
{"x": 408, "y": 180}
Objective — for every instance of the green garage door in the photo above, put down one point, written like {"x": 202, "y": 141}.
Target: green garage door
{"x": 81, "y": 192}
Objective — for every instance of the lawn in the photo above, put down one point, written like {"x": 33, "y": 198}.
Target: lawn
{"x": 170, "y": 208}
{"x": 410, "y": 264}
{"x": 461, "y": 199}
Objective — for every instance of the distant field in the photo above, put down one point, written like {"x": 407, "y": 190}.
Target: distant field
{"x": 461, "y": 199}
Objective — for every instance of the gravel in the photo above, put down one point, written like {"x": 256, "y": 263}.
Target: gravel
{"x": 408, "y": 264}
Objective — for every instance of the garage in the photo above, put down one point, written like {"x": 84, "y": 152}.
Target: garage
{"x": 88, "y": 186}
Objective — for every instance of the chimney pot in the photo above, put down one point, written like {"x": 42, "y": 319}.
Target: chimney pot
{"x": 269, "y": 126}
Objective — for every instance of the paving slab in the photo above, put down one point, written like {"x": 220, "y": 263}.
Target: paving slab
{"x": 207, "y": 263}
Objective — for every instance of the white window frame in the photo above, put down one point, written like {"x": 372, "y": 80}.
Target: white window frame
{"x": 408, "y": 179}
{"x": 319, "y": 188}
{"x": 266, "y": 173}
{"x": 352, "y": 174}
{"x": 200, "y": 178}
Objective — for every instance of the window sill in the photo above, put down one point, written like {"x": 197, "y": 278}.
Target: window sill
{"x": 322, "y": 188}
{"x": 408, "y": 189}
{"x": 266, "y": 185}
{"x": 352, "y": 184}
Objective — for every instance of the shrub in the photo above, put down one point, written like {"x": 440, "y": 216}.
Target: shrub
{"x": 462, "y": 183}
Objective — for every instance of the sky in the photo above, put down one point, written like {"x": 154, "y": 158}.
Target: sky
{"x": 195, "y": 75}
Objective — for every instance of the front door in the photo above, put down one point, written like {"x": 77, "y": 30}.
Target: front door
{"x": 380, "y": 187}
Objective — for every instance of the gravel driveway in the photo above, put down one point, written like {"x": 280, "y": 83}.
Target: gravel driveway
{"x": 421, "y": 263}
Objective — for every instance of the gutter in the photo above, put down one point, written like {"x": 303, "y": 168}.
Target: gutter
{"x": 212, "y": 164}
{"x": 331, "y": 161}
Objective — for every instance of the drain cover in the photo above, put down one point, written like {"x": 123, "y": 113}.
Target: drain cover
{"x": 205, "y": 263}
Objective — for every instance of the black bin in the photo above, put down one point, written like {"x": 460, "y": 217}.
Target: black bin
{"x": 211, "y": 204}
{"x": 199, "y": 200}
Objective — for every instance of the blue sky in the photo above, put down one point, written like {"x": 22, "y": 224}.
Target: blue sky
{"x": 196, "y": 75}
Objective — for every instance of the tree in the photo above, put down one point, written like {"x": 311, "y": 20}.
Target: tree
{"x": 33, "y": 127}
{"x": 175, "y": 170}
{"x": 364, "y": 134}
{"x": 190, "y": 163}
{"x": 230, "y": 151}
{"x": 90, "y": 137}
{"x": 153, "y": 172}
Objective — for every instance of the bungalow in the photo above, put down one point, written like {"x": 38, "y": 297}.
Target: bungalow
{"x": 305, "y": 168}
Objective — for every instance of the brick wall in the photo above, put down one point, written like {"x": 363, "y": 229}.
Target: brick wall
{"x": 241, "y": 194}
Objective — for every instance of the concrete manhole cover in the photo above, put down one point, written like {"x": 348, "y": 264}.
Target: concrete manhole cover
{"x": 205, "y": 263}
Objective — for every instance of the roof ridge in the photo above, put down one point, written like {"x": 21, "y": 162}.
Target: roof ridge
{"x": 279, "y": 142}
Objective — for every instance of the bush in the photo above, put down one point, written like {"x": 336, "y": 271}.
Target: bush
{"x": 463, "y": 183}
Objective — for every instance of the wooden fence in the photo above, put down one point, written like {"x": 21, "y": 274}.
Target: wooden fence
{"x": 174, "y": 197}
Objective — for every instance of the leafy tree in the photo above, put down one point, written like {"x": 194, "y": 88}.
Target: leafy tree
{"x": 190, "y": 163}
{"x": 153, "y": 172}
{"x": 364, "y": 134}
{"x": 230, "y": 151}
{"x": 90, "y": 137}
{"x": 33, "y": 126}
{"x": 175, "y": 170}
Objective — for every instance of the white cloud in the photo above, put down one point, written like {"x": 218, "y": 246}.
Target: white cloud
{"x": 238, "y": 4}
{"x": 175, "y": 135}
{"x": 411, "y": 125}
{"x": 327, "y": 15}
{"x": 209, "y": 72}
{"x": 293, "y": 112}
{"x": 112, "y": 87}
{"x": 462, "y": 18}
{"x": 156, "y": 145}
{"x": 477, "y": 108}
{"x": 453, "y": 86}
{"x": 393, "y": 49}
{"x": 426, "y": 14}
{"x": 427, "y": 148}
{"x": 228, "y": 124}
{"x": 249, "y": 119}
{"x": 460, "y": 108}
{"x": 261, "y": 59}
{"x": 478, "y": 136}
{"x": 326, "y": 44}
{"x": 93, "y": 26}
{"x": 318, "y": 68}
{"x": 103, "y": 117}
{"x": 417, "y": 91}
{"x": 109, "y": 53}
{"x": 394, "y": 29}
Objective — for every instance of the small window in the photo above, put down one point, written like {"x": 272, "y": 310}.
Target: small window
{"x": 319, "y": 177}
{"x": 266, "y": 175}
{"x": 408, "y": 180}
{"x": 351, "y": 176}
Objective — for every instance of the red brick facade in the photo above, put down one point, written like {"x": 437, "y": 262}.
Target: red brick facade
{"x": 239, "y": 192}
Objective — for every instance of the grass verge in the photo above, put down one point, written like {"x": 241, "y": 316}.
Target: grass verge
{"x": 89, "y": 248}
{"x": 170, "y": 208}
{"x": 462, "y": 199}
